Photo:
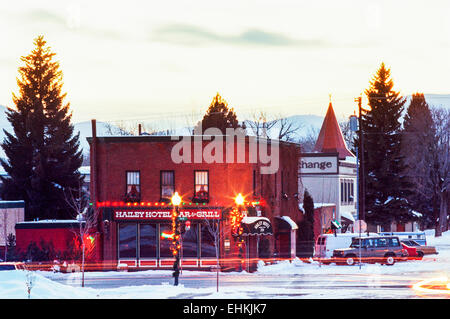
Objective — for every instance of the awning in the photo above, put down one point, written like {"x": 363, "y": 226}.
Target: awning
{"x": 256, "y": 226}
{"x": 335, "y": 224}
{"x": 348, "y": 216}
{"x": 286, "y": 223}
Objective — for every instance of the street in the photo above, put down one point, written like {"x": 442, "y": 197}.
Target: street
{"x": 330, "y": 281}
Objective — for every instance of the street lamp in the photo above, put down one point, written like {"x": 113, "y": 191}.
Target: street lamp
{"x": 176, "y": 201}
{"x": 239, "y": 200}
{"x": 81, "y": 219}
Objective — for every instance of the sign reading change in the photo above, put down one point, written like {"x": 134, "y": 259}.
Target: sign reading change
{"x": 319, "y": 165}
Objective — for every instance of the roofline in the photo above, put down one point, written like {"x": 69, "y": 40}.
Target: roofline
{"x": 173, "y": 138}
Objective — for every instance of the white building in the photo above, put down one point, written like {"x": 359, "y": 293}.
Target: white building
{"x": 329, "y": 173}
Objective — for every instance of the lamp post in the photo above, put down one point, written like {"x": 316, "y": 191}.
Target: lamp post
{"x": 239, "y": 200}
{"x": 176, "y": 201}
{"x": 81, "y": 219}
{"x": 356, "y": 126}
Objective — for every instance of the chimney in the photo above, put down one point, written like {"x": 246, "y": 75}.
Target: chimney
{"x": 93, "y": 160}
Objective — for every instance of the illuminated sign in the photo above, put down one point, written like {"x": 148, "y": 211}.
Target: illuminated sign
{"x": 150, "y": 214}
{"x": 319, "y": 165}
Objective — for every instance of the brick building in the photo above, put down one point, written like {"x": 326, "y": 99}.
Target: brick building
{"x": 134, "y": 177}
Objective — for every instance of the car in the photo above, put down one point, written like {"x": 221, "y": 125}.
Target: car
{"x": 384, "y": 249}
{"x": 412, "y": 252}
{"x": 327, "y": 243}
{"x": 12, "y": 266}
{"x": 421, "y": 249}
{"x": 419, "y": 237}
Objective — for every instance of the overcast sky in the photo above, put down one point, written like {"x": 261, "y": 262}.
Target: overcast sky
{"x": 159, "y": 59}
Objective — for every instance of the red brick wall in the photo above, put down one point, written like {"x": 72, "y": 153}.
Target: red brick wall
{"x": 58, "y": 236}
{"x": 149, "y": 155}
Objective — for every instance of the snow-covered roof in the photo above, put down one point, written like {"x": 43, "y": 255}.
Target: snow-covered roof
{"x": 417, "y": 214}
{"x": 56, "y": 221}
{"x": 290, "y": 222}
{"x": 11, "y": 201}
{"x": 317, "y": 205}
{"x": 85, "y": 170}
{"x": 347, "y": 215}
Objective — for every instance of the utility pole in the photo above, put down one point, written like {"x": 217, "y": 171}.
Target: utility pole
{"x": 361, "y": 188}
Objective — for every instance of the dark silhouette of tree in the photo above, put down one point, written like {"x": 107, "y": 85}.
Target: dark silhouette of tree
{"x": 306, "y": 228}
{"x": 43, "y": 155}
{"x": 385, "y": 183}
{"x": 418, "y": 146}
{"x": 219, "y": 116}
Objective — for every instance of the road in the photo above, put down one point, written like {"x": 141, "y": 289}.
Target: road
{"x": 357, "y": 284}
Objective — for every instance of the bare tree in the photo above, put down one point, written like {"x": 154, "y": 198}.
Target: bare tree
{"x": 214, "y": 229}
{"x": 78, "y": 200}
{"x": 275, "y": 126}
{"x": 308, "y": 142}
{"x": 29, "y": 281}
{"x": 441, "y": 171}
{"x": 347, "y": 133}
{"x": 119, "y": 128}
{"x": 192, "y": 120}
{"x": 287, "y": 128}
{"x": 260, "y": 124}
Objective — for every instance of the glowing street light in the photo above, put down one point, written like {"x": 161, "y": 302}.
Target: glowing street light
{"x": 176, "y": 199}
{"x": 239, "y": 199}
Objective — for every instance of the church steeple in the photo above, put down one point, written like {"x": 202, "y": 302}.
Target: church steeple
{"x": 330, "y": 138}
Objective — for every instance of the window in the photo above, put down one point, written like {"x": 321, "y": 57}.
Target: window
{"x": 208, "y": 247}
{"x": 381, "y": 242}
{"x": 393, "y": 242}
{"x": 164, "y": 244}
{"x": 201, "y": 186}
{"x": 190, "y": 242}
{"x": 347, "y": 192}
{"x": 133, "y": 193}
{"x": 167, "y": 184}
{"x": 127, "y": 240}
{"x": 148, "y": 240}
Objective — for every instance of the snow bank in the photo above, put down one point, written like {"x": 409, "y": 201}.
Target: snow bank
{"x": 13, "y": 283}
{"x": 13, "y": 286}
{"x": 430, "y": 263}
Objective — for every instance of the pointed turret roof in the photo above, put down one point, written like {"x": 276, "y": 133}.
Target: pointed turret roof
{"x": 330, "y": 138}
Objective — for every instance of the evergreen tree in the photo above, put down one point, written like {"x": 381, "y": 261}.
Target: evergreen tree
{"x": 43, "y": 155}
{"x": 219, "y": 115}
{"x": 418, "y": 147}
{"x": 306, "y": 228}
{"x": 385, "y": 183}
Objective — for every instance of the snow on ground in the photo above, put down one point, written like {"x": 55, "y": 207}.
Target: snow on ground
{"x": 430, "y": 263}
{"x": 13, "y": 283}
